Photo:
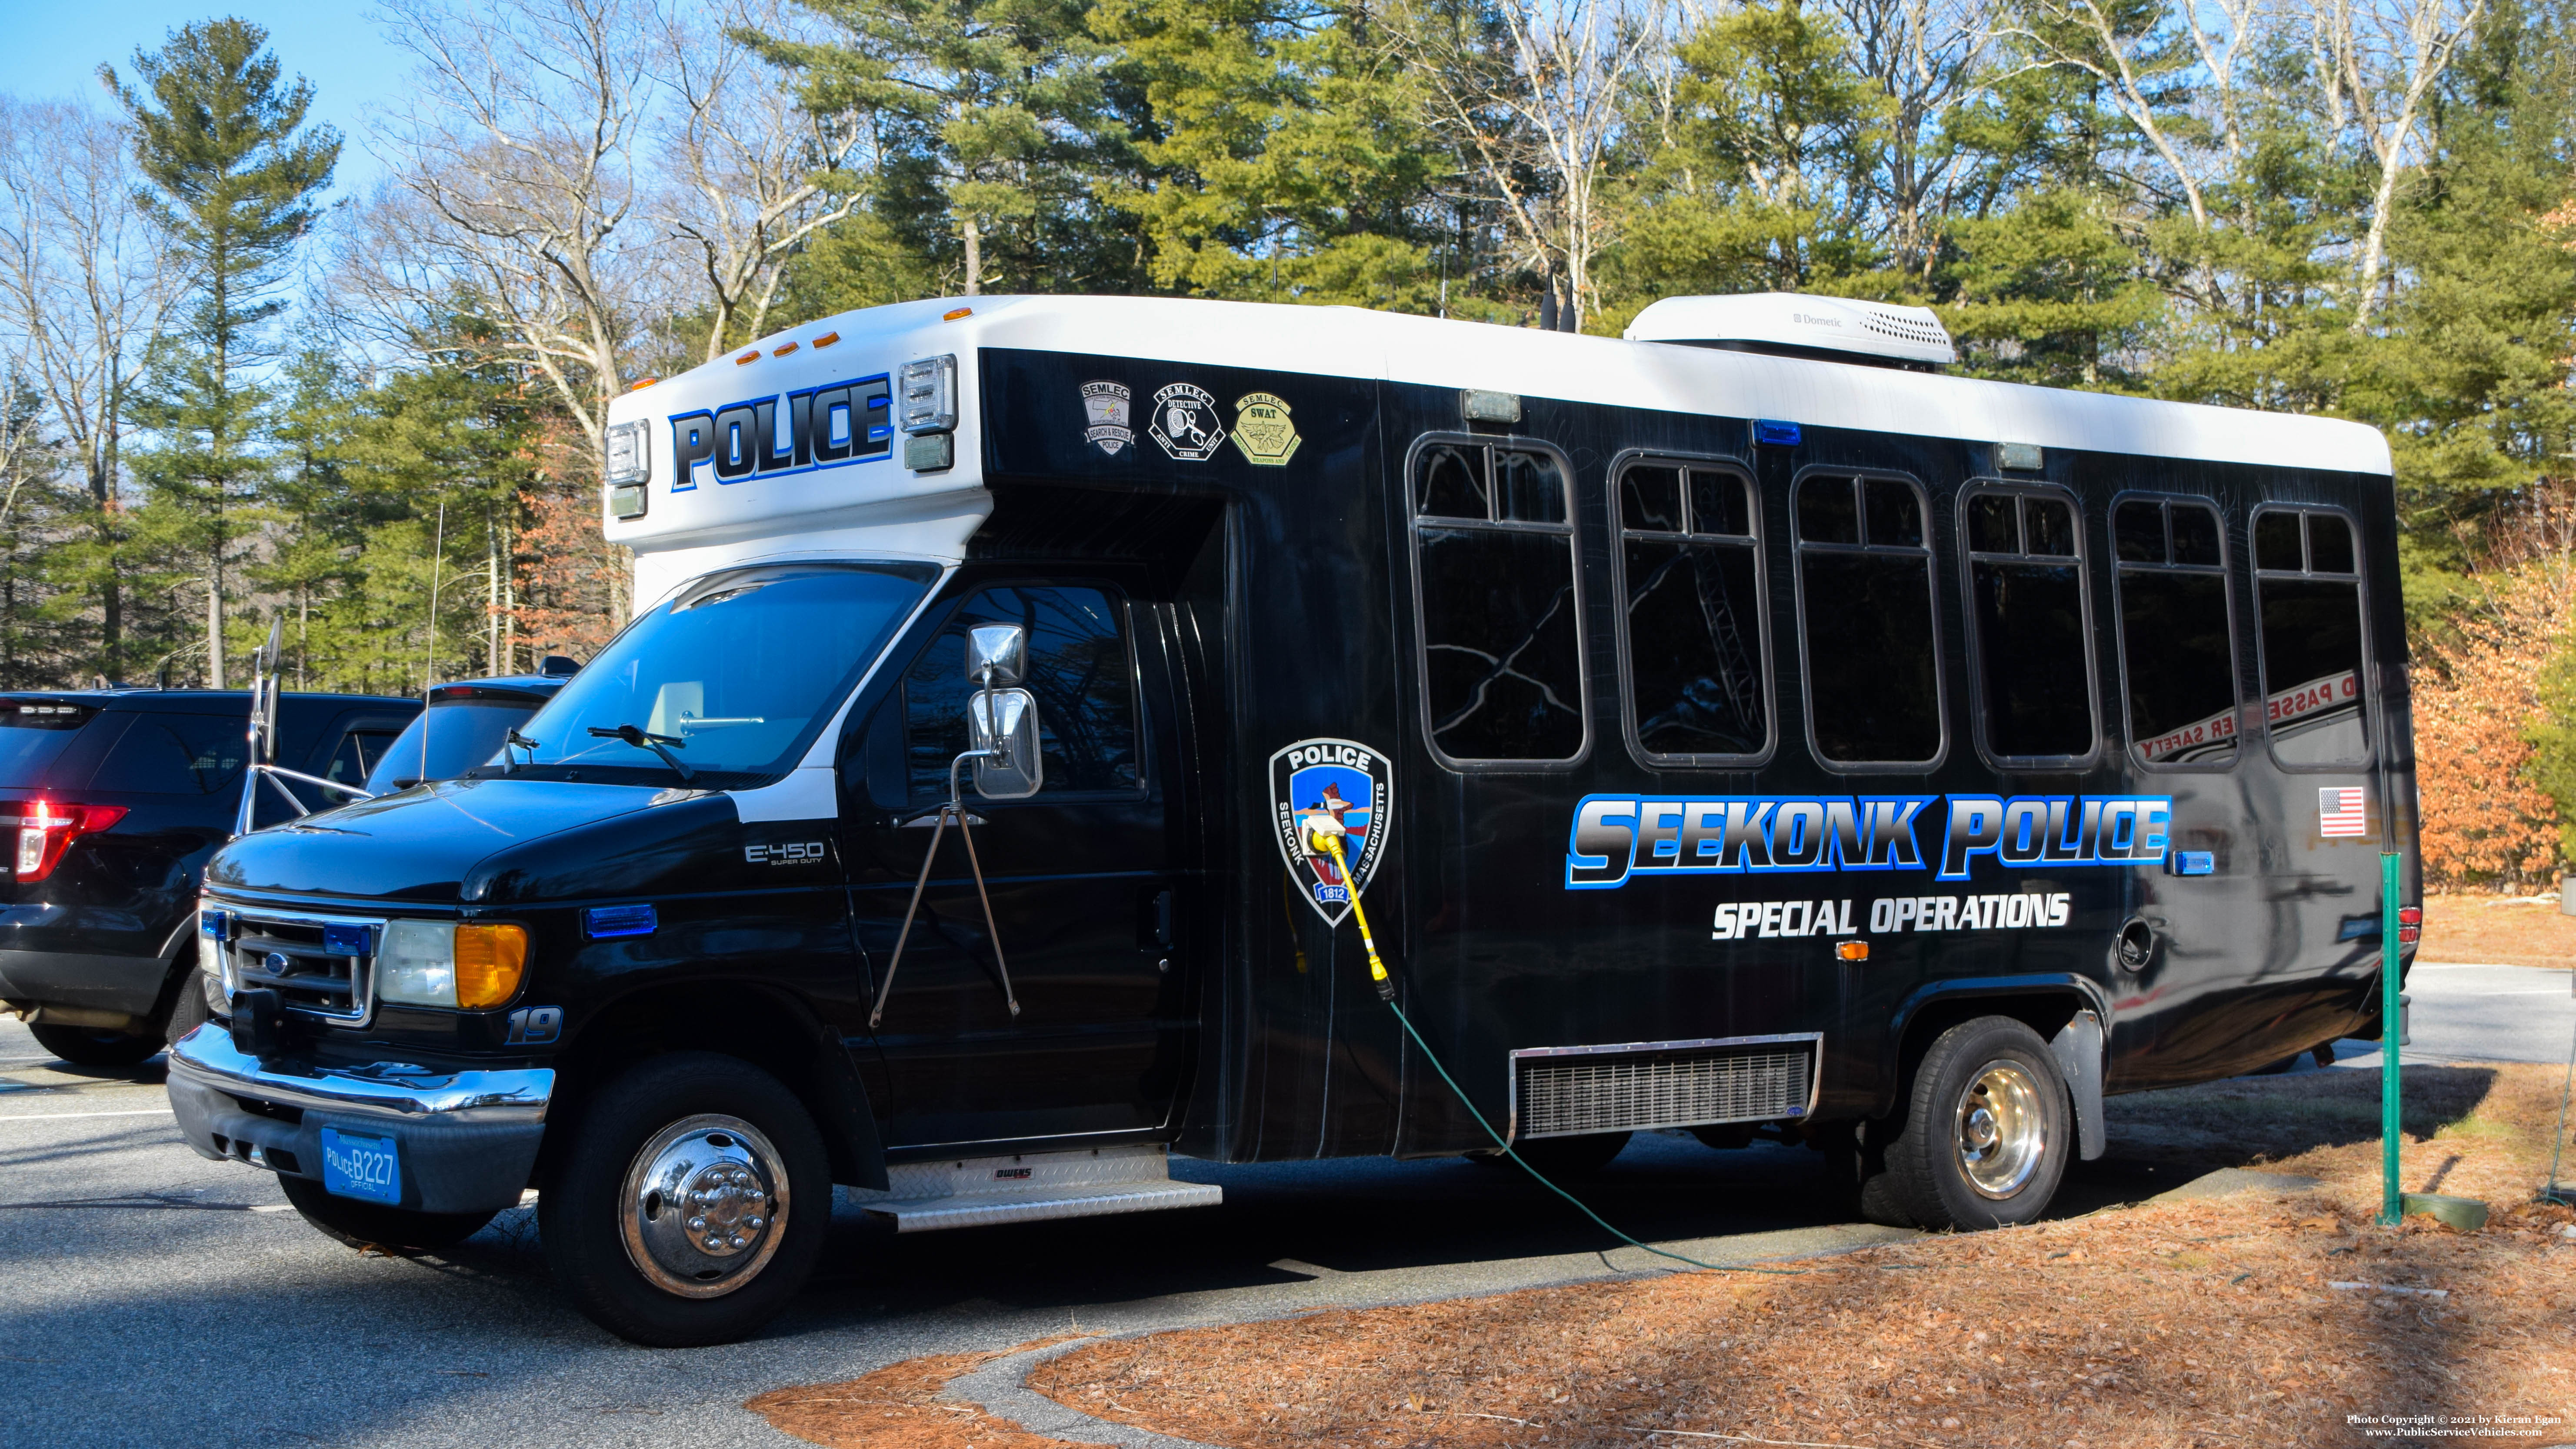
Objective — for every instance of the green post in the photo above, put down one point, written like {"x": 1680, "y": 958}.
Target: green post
{"x": 2390, "y": 1203}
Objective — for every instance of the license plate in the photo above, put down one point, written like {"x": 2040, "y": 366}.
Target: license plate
{"x": 361, "y": 1167}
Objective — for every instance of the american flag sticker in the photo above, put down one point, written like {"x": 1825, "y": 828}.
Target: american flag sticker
{"x": 2340, "y": 810}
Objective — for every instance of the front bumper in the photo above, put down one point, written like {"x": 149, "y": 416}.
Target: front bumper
{"x": 468, "y": 1139}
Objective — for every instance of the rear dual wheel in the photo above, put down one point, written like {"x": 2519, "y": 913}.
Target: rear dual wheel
{"x": 1984, "y": 1138}
{"x": 692, "y": 1203}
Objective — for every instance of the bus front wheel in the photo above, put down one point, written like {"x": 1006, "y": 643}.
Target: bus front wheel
{"x": 1984, "y": 1137}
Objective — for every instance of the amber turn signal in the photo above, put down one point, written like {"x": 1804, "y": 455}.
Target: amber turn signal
{"x": 1851, "y": 950}
{"x": 490, "y": 959}
{"x": 960, "y": 312}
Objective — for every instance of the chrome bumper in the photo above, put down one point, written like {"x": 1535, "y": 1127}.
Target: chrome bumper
{"x": 467, "y": 1140}
{"x": 391, "y": 1091}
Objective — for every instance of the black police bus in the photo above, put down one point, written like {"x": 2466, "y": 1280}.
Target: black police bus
{"x": 1735, "y": 724}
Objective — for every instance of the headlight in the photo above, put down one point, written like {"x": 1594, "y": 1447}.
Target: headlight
{"x": 473, "y": 967}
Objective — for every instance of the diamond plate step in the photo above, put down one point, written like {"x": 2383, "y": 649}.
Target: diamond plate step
{"x": 982, "y": 1191}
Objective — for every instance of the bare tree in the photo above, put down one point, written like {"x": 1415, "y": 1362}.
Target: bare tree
{"x": 1542, "y": 96}
{"x": 514, "y": 188}
{"x": 1925, "y": 57}
{"x": 746, "y": 175}
{"x": 2379, "y": 61}
{"x": 85, "y": 285}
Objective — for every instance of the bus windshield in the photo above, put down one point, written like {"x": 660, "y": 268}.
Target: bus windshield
{"x": 733, "y": 676}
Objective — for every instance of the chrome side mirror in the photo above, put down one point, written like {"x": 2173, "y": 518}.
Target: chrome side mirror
{"x": 1005, "y": 721}
{"x": 997, "y": 654}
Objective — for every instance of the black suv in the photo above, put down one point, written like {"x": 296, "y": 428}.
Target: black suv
{"x": 118, "y": 796}
{"x": 465, "y": 725}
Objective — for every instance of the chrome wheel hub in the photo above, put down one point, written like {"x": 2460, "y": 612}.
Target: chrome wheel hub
{"x": 2002, "y": 1133}
{"x": 705, "y": 1202}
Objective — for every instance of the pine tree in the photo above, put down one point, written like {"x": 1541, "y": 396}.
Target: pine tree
{"x": 234, "y": 173}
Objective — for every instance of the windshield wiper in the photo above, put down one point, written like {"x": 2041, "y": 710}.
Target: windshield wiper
{"x": 644, "y": 740}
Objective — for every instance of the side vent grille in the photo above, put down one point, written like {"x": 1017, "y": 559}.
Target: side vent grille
{"x": 1569, "y": 1091}
{"x": 1901, "y": 327}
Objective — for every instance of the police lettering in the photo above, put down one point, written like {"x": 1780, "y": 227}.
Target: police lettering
{"x": 1616, "y": 836}
{"x": 821, "y": 427}
{"x": 2055, "y": 831}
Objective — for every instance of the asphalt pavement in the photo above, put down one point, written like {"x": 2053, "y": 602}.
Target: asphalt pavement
{"x": 152, "y": 1296}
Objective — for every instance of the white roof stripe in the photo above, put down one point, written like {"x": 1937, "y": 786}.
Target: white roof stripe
{"x": 1351, "y": 342}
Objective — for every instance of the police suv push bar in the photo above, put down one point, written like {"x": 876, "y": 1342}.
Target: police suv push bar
{"x": 266, "y": 681}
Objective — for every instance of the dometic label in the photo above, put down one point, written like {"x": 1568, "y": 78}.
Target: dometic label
{"x": 796, "y": 432}
{"x": 1617, "y": 838}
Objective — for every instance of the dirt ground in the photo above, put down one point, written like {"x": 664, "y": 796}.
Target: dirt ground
{"x": 2497, "y": 930}
{"x": 2211, "y": 1322}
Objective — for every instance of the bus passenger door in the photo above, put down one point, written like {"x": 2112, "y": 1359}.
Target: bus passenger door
{"x": 1083, "y": 893}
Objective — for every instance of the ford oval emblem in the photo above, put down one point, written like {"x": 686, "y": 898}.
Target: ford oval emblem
{"x": 276, "y": 963}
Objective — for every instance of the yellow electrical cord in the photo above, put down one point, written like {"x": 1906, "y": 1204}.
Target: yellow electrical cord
{"x": 1332, "y": 845}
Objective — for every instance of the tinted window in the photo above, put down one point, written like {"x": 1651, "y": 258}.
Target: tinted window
{"x": 1502, "y": 654}
{"x": 2034, "y": 685}
{"x": 742, "y": 667}
{"x": 1693, "y": 615}
{"x": 1079, "y": 670}
{"x": 2177, "y": 653}
{"x": 2312, "y": 659}
{"x": 1873, "y": 687}
{"x": 32, "y": 733}
{"x": 455, "y": 738}
{"x": 175, "y": 754}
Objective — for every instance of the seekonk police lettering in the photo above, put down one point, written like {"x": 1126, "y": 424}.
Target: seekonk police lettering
{"x": 1616, "y": 838}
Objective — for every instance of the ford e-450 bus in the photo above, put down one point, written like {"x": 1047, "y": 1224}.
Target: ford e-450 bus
{"x": 1735, "y": 725}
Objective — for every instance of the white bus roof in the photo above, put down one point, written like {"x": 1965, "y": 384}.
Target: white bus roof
{"x": 932, "y": 514}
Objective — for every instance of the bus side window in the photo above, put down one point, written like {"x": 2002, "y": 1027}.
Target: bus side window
{"x": 1694, "y": 659}
{"x": 2177, "y": 653}
{"x": 1866, "y": 612}
{"x": 1079, "y": 670}
{"x": 2308, "y": 585}
{"x": 2034, "y": 669}
{"x": 1493, "y": 560}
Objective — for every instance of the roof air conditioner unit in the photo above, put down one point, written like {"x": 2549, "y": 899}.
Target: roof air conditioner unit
{"x": 1791, "y": 324}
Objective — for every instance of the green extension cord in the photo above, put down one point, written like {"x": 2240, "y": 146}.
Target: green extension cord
{"x": 1434, "y": 1058}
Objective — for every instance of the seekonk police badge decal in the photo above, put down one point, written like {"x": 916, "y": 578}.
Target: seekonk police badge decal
{"x": 1104, "y": 413}
{"x": 1262, "y": 430}
{"x": 1184, "y": 421}
{"x": 1332, "y": 784}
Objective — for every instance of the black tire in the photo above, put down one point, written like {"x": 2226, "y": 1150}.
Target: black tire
{"x": 662, "y": 1111}
{"x": 1943, "y": 1167}
{"x": 188, "y": 1011}
{"x": 373, "y": 1225}
{"x": 1564, "y": 1159}
{"x": 87, "y": 1046}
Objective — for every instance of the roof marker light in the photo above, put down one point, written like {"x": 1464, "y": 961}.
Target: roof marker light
{"x": 782, "y": 350}
{"x": 752, "y": 356}
{"x": 827, "y": 339}
{"x": 953, "y": 316}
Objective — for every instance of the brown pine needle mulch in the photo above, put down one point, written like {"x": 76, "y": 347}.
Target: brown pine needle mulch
{"x": 898, "y": 1407}
{"x": 2497, "y": 930}
{"x": 2210, "y": 1322}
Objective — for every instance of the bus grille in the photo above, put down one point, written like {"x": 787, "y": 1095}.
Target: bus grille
{"x": 1569, "y": 1091}
{"x": 292, "y": 954}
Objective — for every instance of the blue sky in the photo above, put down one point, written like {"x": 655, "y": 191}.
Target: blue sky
{"x": 55, "y": 47}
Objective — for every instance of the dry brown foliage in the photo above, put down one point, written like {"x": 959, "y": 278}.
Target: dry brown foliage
{"x": 2189, "y": 1323}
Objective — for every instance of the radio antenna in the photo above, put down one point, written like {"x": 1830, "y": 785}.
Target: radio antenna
{"x": 429, "y": 663}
